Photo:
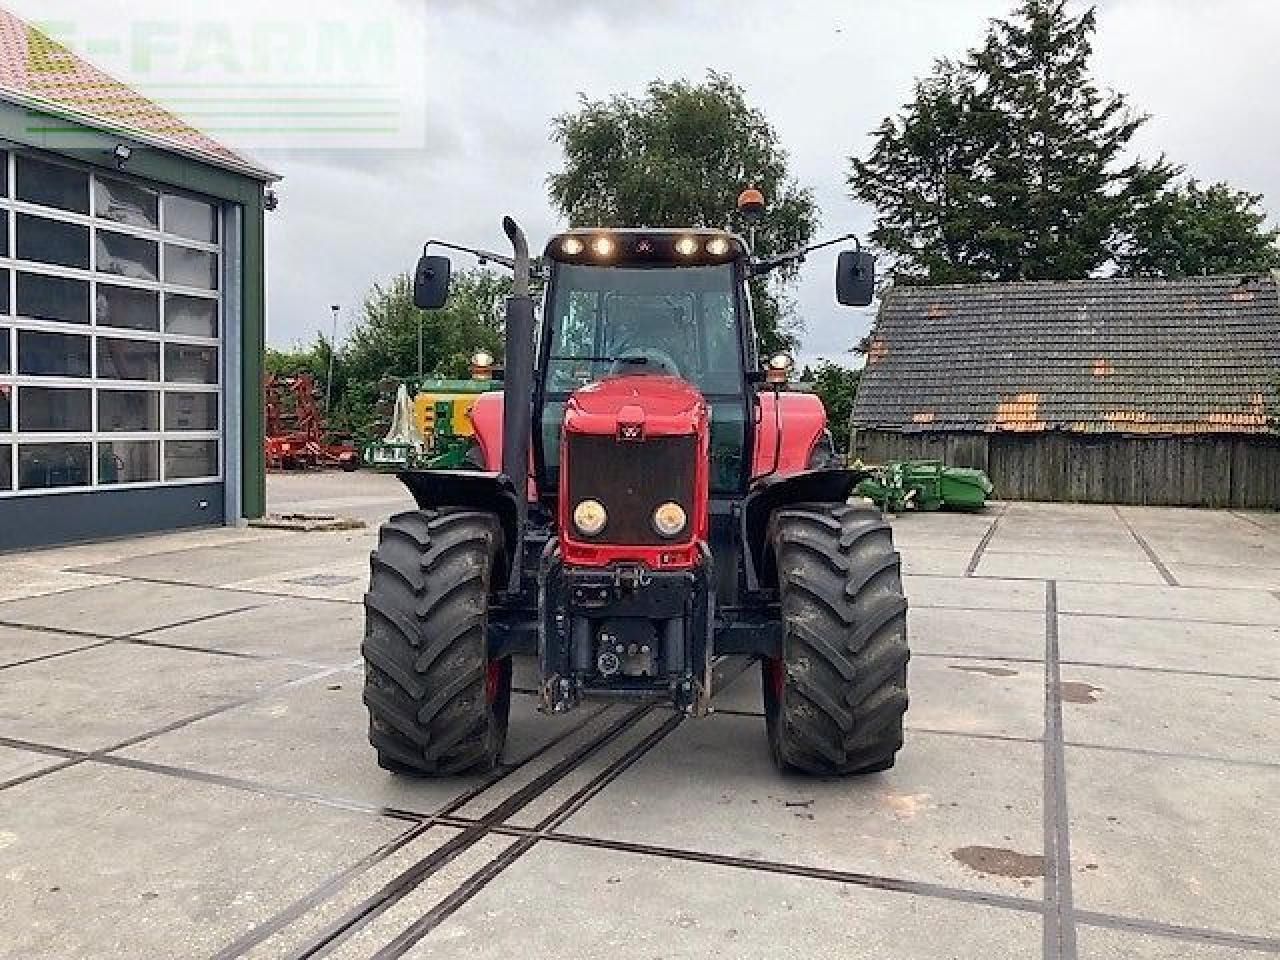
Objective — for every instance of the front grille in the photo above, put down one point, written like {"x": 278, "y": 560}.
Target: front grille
{"x": 631, "y": 479}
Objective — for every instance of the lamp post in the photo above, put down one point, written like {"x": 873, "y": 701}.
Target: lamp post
{"x": 328, "y": 382}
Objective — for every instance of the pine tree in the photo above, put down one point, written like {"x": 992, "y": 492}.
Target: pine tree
{"x": 1009, "y": 165}
{"x": 1058, "y": 186}
{"x": 922, "y": 177}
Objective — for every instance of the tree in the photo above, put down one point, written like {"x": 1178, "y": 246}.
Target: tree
{"x": 384, "y": 340}
{"x": 836, "y": 386}
{"x": 1009, "y": 165}
{"x": 920, "y": 177}
{"x": 1190, "y": 231}
{"x": 679, "y": 156}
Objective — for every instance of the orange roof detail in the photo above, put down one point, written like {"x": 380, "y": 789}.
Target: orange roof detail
{"x": 42, "y": 74}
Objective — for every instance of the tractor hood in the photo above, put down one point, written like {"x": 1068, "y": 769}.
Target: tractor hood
{"x": 655, "y": 405}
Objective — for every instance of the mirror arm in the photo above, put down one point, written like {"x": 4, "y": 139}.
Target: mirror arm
{"x": 484, "y": 256}
{"x": 760, "y": 267}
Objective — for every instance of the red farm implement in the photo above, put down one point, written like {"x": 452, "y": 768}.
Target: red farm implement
{"x": 297, "y": 435}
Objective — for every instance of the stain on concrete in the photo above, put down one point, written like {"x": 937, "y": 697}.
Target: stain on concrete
{"x": 907, "y": 806}
{"x": 989, "y": 671}
{"x": 1000, "y": 862}
{"x": 1077, "y": 691}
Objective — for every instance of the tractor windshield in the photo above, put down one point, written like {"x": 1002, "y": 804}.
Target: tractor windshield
{"x": 610, "y": 321}
{"x": 615, "y": 320}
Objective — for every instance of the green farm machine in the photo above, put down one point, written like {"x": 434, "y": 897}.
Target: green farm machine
{"x": 925, "y": 485}
{"x": 430, "y": 422}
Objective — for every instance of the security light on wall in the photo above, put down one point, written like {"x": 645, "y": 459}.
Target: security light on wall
{"x": 122, "y": 153}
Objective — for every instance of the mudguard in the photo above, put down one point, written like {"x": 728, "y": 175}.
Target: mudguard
{"x": 770, "y": 493}
{"x": 472, "y": 490}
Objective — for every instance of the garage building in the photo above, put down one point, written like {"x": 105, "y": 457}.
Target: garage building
{"x": 131, "y": 309}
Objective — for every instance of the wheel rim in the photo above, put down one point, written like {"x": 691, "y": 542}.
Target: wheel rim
{"x": 492, "y": 681}
{"x": 776, "y": 670}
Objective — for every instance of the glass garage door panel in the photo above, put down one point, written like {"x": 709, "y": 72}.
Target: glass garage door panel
{"x": 190, "y": 411}
{"x": 128, "y": 307}
{"x": 54, "y": 410}
{"x": 58, "y": 299}
{"x": 128, "y": 411}
{"x": 110, "y": 331}
{"x": 128, "y": 461}
{"x": 52, "y": 354}
{"x": 45, "y": 465}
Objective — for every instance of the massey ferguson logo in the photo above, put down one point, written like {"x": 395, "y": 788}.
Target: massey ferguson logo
{"x": 631, "y": 432}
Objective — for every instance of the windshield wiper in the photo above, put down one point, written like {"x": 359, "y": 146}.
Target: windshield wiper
{"x": 605, "y": 359}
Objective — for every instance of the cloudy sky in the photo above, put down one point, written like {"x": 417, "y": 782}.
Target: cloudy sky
{"x": 485, "y": 77}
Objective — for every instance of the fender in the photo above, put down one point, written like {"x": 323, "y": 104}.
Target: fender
{"x": 470, "y": 489}
{"x": 803, "y": 420}
{"x": 770, "y": 494}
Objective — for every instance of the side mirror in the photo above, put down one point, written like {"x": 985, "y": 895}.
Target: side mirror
{"x": 855, "y": 278}
{"x": 431, "y": 283}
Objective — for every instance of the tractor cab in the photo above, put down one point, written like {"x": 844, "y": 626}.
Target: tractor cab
{"x": 648, "y": 303}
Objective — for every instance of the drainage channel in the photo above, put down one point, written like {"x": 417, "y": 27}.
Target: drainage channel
{"x": 478, "y": 833}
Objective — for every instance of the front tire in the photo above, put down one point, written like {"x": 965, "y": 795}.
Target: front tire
{"x": 437, "y": 704}
{"x": 834, "y": 702}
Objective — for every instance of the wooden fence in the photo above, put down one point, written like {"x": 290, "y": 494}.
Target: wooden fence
{"x": 1214, "y": 470}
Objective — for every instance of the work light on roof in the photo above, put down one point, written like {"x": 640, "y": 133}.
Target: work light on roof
{"x": 603, "y": 246}
{"x": 572, "y": 246}
{"x": 718, "y": 246}
{"x": 687, "y": 246}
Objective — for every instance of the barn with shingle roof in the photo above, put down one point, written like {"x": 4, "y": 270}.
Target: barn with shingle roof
{"x": 131, "y": 308}
{"x": 1112, "y": 391}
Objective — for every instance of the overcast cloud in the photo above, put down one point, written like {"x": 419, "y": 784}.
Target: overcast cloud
{"x": 495, "y": 71}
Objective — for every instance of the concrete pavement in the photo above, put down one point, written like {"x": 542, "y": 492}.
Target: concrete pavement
{"x": 1091, "y": 767}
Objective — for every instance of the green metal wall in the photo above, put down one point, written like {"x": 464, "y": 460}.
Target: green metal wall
{"x": 26, "y": 128}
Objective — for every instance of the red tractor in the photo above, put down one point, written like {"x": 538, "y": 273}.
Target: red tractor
{"x": 651, "y": 499}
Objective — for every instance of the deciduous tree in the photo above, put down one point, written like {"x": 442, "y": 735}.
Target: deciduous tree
{"x": 678, "y": 156}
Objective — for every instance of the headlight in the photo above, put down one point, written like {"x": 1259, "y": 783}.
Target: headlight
{"x": 589, "y": 517}
{"x": 669, "y": 519}
{"x": 686, "y": 246}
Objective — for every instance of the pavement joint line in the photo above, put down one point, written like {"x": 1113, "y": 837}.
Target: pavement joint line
{"x": 981, "y": 548}
{"x": 1141, "y": 668}
{"x": 189, "y": 621}
{"x": 242, "y": 590}
{"x": 268, "y": 691}
{"x": 60, "y": 631}
{"x": 922, "y": 888}
{"x": 1245, "y": 518}
{"x": 409, "y": 879}
{"x": 1156, "y": 562}
{"x": 236, "y": 654}
{"x": 456, "y": 899}
{"x": 1120, "y": 583}
{"x": 1059, "y": 916}
{"x": 916, "y": 605}
{"x": 1172, "y": 755}
{"x": 336, "y": 883}
{"x": 1177, "y": 671}
{"x": 1175, "y": 931}
{"x": 55, "y": 654}
{"x": 132, "y": 635}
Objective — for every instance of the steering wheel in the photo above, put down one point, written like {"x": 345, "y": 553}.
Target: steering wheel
{"x": 644, "y": 360}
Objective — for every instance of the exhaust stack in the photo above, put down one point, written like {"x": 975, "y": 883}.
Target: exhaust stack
{"x": 517, "y": 388}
